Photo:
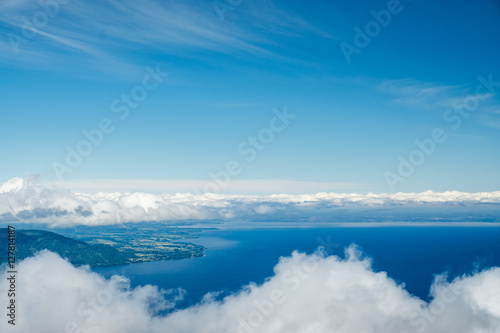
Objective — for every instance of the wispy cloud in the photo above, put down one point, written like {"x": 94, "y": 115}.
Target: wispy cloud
{"x": 115, "y": 30}
{"x": 422, "y": 94}
{"x": 440, "y": 98}
{"x": 426, "y": 95}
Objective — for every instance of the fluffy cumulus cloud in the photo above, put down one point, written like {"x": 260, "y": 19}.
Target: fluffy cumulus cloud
{"x": 28, "y": 200}
{"x": 307, "y": 293}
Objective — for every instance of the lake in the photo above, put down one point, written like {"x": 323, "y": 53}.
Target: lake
{"x": 241, "y": 253}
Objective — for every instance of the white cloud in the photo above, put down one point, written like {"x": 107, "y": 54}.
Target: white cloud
{"x": 308, "y": 293}
{"x": 29, "y": 200}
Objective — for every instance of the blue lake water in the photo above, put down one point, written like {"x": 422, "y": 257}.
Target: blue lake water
{"x": 235, "y": 257}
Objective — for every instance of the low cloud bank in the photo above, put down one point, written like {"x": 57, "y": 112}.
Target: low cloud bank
{"x": 28, "y": 200}
{"x": 308, "y": 293}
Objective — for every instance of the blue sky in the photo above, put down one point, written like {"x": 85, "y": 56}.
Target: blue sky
{"x": 353, "y": 119}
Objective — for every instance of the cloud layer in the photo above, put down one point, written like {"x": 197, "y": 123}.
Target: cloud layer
{"x": 308, "y": 293}
{"x": 28, "y": 200}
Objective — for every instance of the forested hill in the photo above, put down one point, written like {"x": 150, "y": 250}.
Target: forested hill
{"x": 28, "y": 242}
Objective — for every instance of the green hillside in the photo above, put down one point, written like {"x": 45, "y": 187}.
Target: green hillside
{"x": 28, "y": 242}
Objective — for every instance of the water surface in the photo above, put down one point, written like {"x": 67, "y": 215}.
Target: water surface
{"x": 238, "y": 255}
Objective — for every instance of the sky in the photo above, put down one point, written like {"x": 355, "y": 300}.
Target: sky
{"x": 251, "y": 97}
{"x": 250, "y": 110}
